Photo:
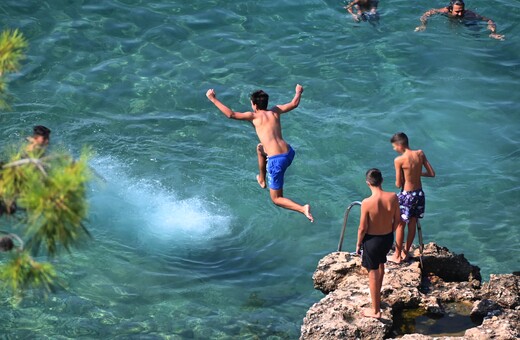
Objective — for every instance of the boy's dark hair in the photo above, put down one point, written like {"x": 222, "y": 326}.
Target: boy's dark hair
{"x": 260, "y": 99}
{"x": 6, "y": 243}
{"x": 40, "y": 130}
{"x": 400, "y": 138}
{"x": 374, "y": 177}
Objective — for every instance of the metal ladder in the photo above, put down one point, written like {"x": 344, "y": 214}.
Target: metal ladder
{"x": 347, "y": 211}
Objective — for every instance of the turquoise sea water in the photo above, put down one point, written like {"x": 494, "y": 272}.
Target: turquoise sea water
{"x": 185, "y": 243}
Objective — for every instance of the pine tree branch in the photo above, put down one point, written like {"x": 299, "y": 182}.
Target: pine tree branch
{"x": 35, "y": 161}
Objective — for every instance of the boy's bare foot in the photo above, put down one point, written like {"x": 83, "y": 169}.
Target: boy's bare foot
{"x": 369, "y": 313}
{"x": 262, "y": 183}
{"x": 393, "y": 258}
{"x": 405, "y": 256}
{"x": 307, "y": 212}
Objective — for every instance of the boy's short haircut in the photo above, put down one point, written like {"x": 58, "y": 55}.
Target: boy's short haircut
{"x": 374, "y": 177}
{"x": 40, "y": 130}
{"x": 400, "y": 138}
{"x": 260, "y": 99}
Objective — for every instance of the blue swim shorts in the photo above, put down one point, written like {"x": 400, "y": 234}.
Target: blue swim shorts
{"x": 412, "y": 204}
{"x": 276, "y": 166}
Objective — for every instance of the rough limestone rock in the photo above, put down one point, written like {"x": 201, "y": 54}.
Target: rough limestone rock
{"x": 485, "y": 308}
{"x": 445, "y": 277}
{"x": 335, "y": 268}
{"x": 504, "y": 289}
{"x": 341, "y": 309}
{"x": 504, "y": 327}
{"x": 449, "y": 266}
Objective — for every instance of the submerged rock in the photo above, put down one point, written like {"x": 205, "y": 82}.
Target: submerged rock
{"x": 445, "y": 278}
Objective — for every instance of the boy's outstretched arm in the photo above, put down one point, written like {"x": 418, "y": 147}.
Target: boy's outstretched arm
{"x": 429, "y": 169}
{"x": 212, "y": 96}
{"x": 292, "y": 104}
{"x": 426, "y": 15}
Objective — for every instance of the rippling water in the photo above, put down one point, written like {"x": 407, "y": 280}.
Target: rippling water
{"x": 185, "y": 244}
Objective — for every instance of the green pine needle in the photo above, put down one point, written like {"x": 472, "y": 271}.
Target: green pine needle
{"x": 12, "y": 47}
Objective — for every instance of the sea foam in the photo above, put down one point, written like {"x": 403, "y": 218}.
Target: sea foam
{"x": 146, "y": 207}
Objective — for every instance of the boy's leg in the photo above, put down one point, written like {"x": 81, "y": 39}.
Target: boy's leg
{"x": 279, "y": 200}
{"x": 375, "y": 294}
{"x": 381, "y": 276}
{"x": 411, "y": 234}
{"x": 262, "y": 165}
{"x": 399, "y": 238}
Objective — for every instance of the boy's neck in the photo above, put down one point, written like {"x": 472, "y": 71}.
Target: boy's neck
{"x": 375, "y": 190}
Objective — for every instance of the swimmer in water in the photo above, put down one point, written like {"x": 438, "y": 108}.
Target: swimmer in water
{"x": 456, "y": 10}
{"x": 366, "y": 10}
{"x": 40, "y": 139}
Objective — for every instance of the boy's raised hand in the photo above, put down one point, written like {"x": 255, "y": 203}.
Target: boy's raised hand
{"x": 211, "y": 94}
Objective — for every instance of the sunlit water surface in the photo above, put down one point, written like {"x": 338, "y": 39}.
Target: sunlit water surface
{"x": 185, "y": 244}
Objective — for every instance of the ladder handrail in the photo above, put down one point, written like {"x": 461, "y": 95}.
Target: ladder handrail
{"x": 347, "y": 211}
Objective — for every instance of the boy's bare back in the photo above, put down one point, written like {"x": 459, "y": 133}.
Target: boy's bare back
{"x": 410, "y": 165}
{"x": 380, "y": 212}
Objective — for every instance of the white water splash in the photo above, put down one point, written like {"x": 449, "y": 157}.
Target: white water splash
{"x": 148, "y": 208}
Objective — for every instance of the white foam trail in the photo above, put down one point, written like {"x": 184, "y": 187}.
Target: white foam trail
{"x": 146, "y": 206}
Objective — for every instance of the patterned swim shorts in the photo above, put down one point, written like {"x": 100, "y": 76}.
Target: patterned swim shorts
{"x": 412, "y": 204}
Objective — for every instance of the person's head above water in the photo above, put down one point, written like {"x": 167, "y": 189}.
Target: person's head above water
{"x": 260, "y": 99}
{"x": 456, "y": 8}
{"x": 6, "y": 243}
{"x": 41, "y": 134}
{"x": 374, "y": 177}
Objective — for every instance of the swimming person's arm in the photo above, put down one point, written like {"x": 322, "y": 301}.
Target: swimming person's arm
{"x": 292, "y": 104}
{"x": 351, "y": 11}
{"x": 426, "y": 15}
{"x": 226, "y": 110}
{"x": 363, "y": 227}
{"x": 429, "y": 169}
{"x": 492, "y": 27}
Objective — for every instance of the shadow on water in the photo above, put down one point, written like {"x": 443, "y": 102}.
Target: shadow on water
{"x": 454, "y": 321}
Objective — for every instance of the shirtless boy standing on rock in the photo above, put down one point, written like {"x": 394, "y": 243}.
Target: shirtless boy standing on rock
{"x": 274, "y": 154}
{"x": 377, "y": 223}
{"x": 408, "y": 172}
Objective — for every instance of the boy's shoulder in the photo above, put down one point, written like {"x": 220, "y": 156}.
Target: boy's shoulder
{"x": 419, "y": 152}
{"x": 389, "y": 195}
{"x": 399, "y": 158}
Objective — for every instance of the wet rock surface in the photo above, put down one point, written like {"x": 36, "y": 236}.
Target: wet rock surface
{"x": 445, "y": 278}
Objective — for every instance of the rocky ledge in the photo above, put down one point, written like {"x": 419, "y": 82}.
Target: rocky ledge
{"x": 445, "y": 278}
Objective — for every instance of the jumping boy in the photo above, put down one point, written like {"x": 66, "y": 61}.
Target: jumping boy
{"x": 274, "y": 154}
{"x": 408, "y": 172}
{"x": 377, "y": 223}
